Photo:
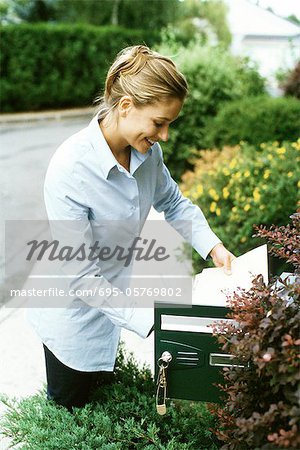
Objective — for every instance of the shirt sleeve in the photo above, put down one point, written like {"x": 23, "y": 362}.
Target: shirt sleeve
{"x": 178, "y": 209}
{"x": 68, "y": 214}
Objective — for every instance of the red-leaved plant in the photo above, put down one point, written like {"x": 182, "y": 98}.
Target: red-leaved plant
{"x": 261, "y": 408}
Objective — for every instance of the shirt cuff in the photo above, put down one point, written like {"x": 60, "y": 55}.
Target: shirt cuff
{"x": 141, "y": 321}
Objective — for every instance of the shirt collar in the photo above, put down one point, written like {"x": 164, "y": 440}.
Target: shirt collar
{"x": 108, "y": 161}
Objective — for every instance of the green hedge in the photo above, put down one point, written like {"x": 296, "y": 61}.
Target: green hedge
{"x": 214, "y": 77}
{"x": 122, "y": 416}
{"x": 52, "y": 66}
{"x": 255, "y": 120}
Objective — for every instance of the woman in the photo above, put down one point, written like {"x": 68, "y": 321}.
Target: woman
{"x": 113, "y": 171}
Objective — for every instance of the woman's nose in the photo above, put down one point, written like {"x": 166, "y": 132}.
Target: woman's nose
{"x": 164, "y": 134}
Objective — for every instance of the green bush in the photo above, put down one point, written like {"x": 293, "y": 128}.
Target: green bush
{"x": 122, "y": 416}
{"x": 214, "y": 76}
{"x": 53, "y": 66}
{"x": 245, "y": 185}
{"x": 254, "y": 120}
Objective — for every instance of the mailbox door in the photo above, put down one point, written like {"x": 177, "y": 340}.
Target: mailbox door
{"x": 197, "y": 359}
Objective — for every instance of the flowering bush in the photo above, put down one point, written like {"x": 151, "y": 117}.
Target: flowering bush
{"x": 245, "y": 185}
{"x": 261, "y": 409}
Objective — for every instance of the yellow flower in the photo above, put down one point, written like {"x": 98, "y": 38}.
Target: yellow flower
{"x": 237, "y": 175}
{"x": 212, "y": 192}
{"x": 247, "y": 207}
{"x": 226, "y": 171}
{"x": 232, "y": 163}
{"x": 218, "y": 211}
{"x": 263, "y": 145}
{"x": 256, "y": 195}
{"x": 200, "y": 189}
{"x": 225, "y": 192}
{"x": 267, "y": 174}
{"x": 262, "y": 207}
{"x": 243, "y": 239}
{"x": 290, "y": 174}
{"x": 298, "y": 184}
{"x": 247, "y": 174}
{"x": 281, "y": 150}
{"x": 270, "y": 157}
{"x": 213, "y": 207}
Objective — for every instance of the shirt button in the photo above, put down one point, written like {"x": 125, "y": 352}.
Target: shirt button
{"x": 133, "y": 208}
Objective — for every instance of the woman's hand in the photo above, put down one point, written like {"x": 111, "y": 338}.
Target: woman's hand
{"x": 222, "y": 258}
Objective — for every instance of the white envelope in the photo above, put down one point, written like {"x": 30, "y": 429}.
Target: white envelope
{"x": 211, "y": 286}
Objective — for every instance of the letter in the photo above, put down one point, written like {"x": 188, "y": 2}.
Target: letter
{"x": 45, "y": 245}
{"x": 162, "y": 251}
{"x": 131, "y": 249}
{"x": 68, "y": 253}
{"x": 147, "y": 256}
{"x": 81, "y": 250}
{"x": 104, "y": 254}
{"x": 93, "y": 248}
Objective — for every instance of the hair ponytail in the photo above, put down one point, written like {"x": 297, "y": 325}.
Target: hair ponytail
{"x": 144, "y": 75}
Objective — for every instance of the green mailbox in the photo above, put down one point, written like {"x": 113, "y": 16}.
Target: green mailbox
{"x": 186, "y": 334}
{"x": 188, "y": 358}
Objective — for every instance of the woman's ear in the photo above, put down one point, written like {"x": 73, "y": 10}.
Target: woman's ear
{"x": 125, "y": 105}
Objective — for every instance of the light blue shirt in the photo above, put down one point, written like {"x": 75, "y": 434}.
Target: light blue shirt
{"x": 85, "y": 183}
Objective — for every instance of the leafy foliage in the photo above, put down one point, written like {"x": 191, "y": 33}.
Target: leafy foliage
{"x": 126, "y": 13}
{"x": 254, "y": 120}
{"x": 214, "y": 76}
{"x": 291, "y": 85}
{"x": 261, "y": 410}
{"x": 121, "y": 416}
{"x": 51, "y": 66}
{"x": 244, "y": 185}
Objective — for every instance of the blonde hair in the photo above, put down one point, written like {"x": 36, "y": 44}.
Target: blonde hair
{"x": 144, "y": 75}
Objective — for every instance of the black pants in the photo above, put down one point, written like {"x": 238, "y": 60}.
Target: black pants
{"x": 69, "y": 387}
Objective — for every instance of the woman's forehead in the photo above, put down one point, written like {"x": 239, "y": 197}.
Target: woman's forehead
{"x": 166, "y": 110}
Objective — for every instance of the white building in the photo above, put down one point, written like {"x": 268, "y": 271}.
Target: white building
{"x": 269, "y": 40}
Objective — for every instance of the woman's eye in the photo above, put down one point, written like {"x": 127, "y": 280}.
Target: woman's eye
{"x": 158, "y": 125}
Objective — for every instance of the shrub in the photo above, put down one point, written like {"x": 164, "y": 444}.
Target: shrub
{"x": 262, "y": 399}
{"x": 254, "y": 120}
{"x": 214, "y": 76}
{"x": 122, "y": 416}
{"x": 53, "y": 66}
{"x": 245, "y": 185}
{"x": 291, "y": 85}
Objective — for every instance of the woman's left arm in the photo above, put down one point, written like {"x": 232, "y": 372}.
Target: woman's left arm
{"x": 185, "y": 217}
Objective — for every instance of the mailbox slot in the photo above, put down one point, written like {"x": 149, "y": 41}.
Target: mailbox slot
{"x": 191, "y": 324}
{"x": 224, "y": 360}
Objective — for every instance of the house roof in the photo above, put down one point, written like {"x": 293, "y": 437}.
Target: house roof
{"x": 245, "y": 18}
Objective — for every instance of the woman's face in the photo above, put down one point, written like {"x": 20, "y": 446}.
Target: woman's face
{"x": 141, "y": 127}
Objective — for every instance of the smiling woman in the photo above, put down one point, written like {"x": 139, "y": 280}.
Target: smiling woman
{"x": 100, "y": 186}
{"x": 145, "y": 92}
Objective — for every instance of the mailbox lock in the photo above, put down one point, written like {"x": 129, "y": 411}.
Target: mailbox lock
{"x": 163, "y": 363}
{"x": 164, "y": 360}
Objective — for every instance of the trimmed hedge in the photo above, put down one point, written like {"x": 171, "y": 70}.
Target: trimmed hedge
{"x": 254, "y": 120}
{"x": 58, "y": 65}
{"x": 214, "y": 77}
{"x": 122, "y": 416}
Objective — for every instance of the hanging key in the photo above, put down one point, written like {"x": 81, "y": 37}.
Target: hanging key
{"x": 161, "y": 393}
